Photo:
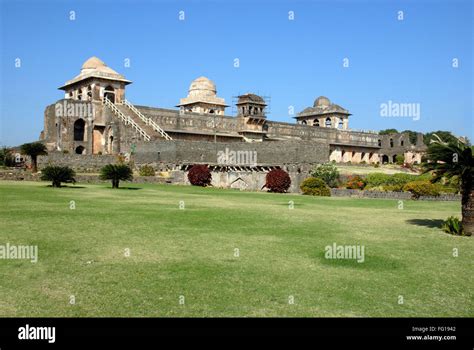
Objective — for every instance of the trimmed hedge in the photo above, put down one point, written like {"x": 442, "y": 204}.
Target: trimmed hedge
{"x": 421, "y": 188}
{"x": 147, "y": 170}
{"x": 315, "y": 186}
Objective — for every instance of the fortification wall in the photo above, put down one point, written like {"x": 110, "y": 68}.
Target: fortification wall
{"x": 269, "y": 153}
{"x": 79, "y": 162}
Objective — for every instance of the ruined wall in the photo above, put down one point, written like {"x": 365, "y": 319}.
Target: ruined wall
{"x": 399, "y": 144}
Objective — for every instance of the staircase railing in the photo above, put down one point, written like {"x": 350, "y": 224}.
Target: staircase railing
{"x": 126, "y": 119}
{"x": 147, "y": 121}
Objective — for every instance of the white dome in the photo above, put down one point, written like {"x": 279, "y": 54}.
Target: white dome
{"x": 93, "y": 63}
{"x": 202, "y": 86}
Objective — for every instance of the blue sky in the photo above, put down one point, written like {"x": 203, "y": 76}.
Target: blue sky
{"x": 293, "y": 62}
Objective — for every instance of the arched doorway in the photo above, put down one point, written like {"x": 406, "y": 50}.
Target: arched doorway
{"x": 384, "y": 159}
{"x": 328, "y": 122}
{"x": 80, "y": 150}
{"x": 109, "y": 94}
{"x": 79, "y": 130}
{"x": 110, "y": 141}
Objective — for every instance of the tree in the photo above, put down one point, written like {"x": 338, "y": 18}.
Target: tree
{"x": 200, "y": 175}
{"x": 6, "y": 157}
{"x": 116, "y": 172}
{"x": 449, "y": 159}
{"x": 58, "y": 174}
{"x": 328, "y": 173}
{"x": 34, "y": 150}
{"x": 278, "y": 180}
{"x": 399, "y": 159}
{"x": 412, "y": 135}
{"x": 445, "y": 136}
{"x": 388, "y": 131}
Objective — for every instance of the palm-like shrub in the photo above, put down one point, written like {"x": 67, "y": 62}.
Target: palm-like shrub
{"x": 200, "y": 175}
{"x": 449, "y": 159}
{"x": 453, "y": 226}
{"x": 315, "y": 186}
{"x": 58, "y": 174}
{"x": 34, "y": 150}
{"x": 328, "y": 173}
{"x": 278, "y": 180}
{"x": 116, "y": 173}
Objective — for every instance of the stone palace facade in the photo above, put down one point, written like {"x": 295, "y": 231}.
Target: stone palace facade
{"x": 95, "y": 118}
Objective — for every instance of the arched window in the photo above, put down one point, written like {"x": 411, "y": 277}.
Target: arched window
{"x": 316, "y": 122}
{"x": 109, "y": 94}
{"x": 79, "y": 127}
{"x": 328, "y": 122}
{"x": 340, "y": 124}
{"x": 380, "y": 143}
{"x": 89, "y": 93}
{"x": 79, "y": 94}
{"x": 304, "y": 122}
{"x": 402, "y": 143}
{"x": 391, "y": 142}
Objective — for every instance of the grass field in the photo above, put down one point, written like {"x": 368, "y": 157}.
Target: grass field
{"x": 191, "y": 253}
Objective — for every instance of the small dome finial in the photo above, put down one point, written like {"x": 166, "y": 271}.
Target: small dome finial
{"x": 322, "y": 101}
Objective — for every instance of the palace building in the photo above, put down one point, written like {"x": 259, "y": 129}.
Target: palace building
{"x": 95, "y": 118}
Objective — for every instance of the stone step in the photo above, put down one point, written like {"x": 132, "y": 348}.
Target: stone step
{"x": 154, "y": 135}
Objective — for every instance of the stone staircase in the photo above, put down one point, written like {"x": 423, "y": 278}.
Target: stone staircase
{"x": 130, "y": 115}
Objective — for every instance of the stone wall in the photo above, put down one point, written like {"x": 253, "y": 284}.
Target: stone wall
{"x": 342, "y": 192}
{"x": 79, "y": 162}
{"x": 267, "y": 153}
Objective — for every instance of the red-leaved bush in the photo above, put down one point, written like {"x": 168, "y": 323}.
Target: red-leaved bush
{"x": 199, "y": 175}
{"x": 278, "y": 180}
{"x": 356, "y": 183}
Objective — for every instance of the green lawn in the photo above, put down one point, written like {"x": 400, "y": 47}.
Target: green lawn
{"x": 191, "y": 253}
